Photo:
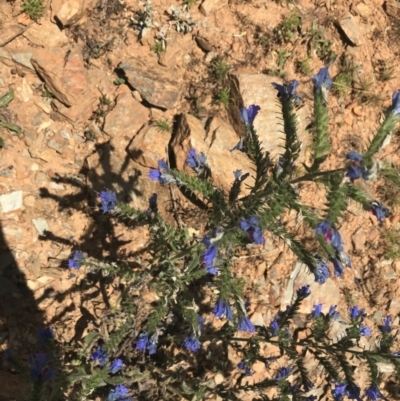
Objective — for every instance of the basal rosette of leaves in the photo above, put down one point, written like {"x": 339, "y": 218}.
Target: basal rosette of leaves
{"x": 171, "y": 350}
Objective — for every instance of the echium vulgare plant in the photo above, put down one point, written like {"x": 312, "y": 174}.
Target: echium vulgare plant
{"x": 169, "y": 348}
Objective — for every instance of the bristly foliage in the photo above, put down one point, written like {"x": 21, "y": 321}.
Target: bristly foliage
{"x": 321, "y": 145}
{"x": 387, "y": 128}
{"x": 292, "y": 143}
{"x": 183, "y": 275}
{"x": 337, "y": 199}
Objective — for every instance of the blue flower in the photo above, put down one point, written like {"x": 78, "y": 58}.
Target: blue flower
{"x": 141, "y": 343}
{"x": 108, "y": 201}
{"x": 373, "y": 393}
{"x": 387, "y": 325}
{"x": 354, "y": 156}
{"x": 162, "y": 176}
{"x": 144, "y": 343}
{"x": 364, "y": 330}
{"x": 238, "y": 146}
{"x": 324, "y": 227}
{"x": 356, "y": 313}
{"x": 76, "y": 261}
{"x": 352, "y": 391}
{"x": 354, "y": 172}
{"x": 322, "y": 80}
{"x": 379, "y": 210}
{"x": 339, "y": 391}
{"x": 332, "y": 313}
{"x": 274, "y": 327}
{"x": 155, "y": 175}
{"x": 195, "y": 162}
{"x": 251, "y": 226}
{"x": 201, "y": 321}
{"x": 45, "y": 335}
{"x": 244, "y": 324}
{"x": 152, "y": 344}
{"x": 99, "y": 356}
{"x": 209, "y": 254}
{"x": 116, "y": 366}
{"x": 286, "y": 90}
{"x": 336, "y": 240}
{"x": 243, "y": 366}
{"x": 162, "y": 165}
{"x": 119, "y": 394}
{"x": 331, "y": 235}
{"x": 317, "y": 311}
{"x": 223, "y": 308}
{"x": 40, "y": 370}
{"x": 337, "y": 267}
{"x": 248, "y": 115}
{"x": 192, "y": 343}
{"x": 396, "y": 102}
{"x": 304, "y": 292}
{"x": 321, "y": 271}
{"x": 238, "y": 175}
{"x": 283, "y": 373}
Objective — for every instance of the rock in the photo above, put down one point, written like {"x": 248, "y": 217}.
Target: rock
{"x": 207, "y": 6}
{"x": 25, "y": 91}
{"x": 46, "y": 34}
{"x": 23, "y": 59}
{"x": 6, "y": 259}
{"x": 10, "y": 202}
{"x": 71, "y": 12}
{"x": 6, "y": 58}
{"x": 149, "y": 146}
{"x": 40, "y": 225}
{"x": 78, "y": 114}
{"x": 177, "y": 48}
{"x": 159, "y": 87}
{"x": 219, "y": 378}
{"x": 216, "y": 143}
{"x": 358, "y": 239}
{"x": 327, "y": 293}
{"x": 392, "y": 8}
{"x": 257, "y": 89}
{"x": 351, "y": 29}
{"x": 63, "y": 72}
{"x": 363, "y": 10}
{"x": 121, "y": 120}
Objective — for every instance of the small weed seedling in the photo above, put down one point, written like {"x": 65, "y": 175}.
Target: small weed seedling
{"x": 163, "y": 125}
{"x": 391, "y": 239}
{"x": 385, "y": 72}
{"x": 321, "y": 45}
{"x": 219, "y": 69}
{"x": 158, "y": 47}
{"x": 286, "y": 31}
{"x": 304, "y": 66}
{"x": 343, "y": 82}
{"x": 33, "y": 8}
{"x": 282, "y": 57}
{"x": 223, "y": 97}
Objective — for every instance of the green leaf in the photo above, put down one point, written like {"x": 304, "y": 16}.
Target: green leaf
{"x": 12, "y": 127}
{"x": 90, "y": 339}
{"x": 6, "y": 99}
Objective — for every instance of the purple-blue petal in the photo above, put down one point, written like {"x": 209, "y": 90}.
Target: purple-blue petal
{"x": 396, "y": 102}
{"x": 244, "y": 324}
{"x": 354, "y": 156}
